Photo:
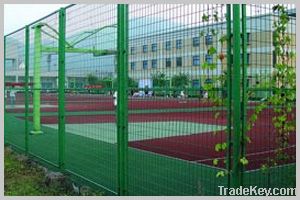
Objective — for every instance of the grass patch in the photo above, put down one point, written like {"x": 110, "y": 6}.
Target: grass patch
{"x": 22, "y": 178}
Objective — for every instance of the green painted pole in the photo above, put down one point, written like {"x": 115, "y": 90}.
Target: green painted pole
{"x": 5, "y": 92}
{"x": 229, "y": 96}
{"x": 122, "y": 98}
{"x": 244, "y": 85}
{"x": 79, "y": 50}
{"x": 37, "y": 80}
{"x": 61, "y": 88}
{"x": 26, "y": 86}
{"x": 236, "y": 97}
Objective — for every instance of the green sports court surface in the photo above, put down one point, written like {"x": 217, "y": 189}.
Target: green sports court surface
{"x": 96, "y": 160}
{"x": 106, "y": 132}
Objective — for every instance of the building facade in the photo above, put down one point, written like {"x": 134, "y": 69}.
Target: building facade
{"x": 181, "y": 50}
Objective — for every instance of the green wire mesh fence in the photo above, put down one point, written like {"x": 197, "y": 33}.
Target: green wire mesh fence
{"x": 91, "y": 142}
{"x": 173, "y": 56}
{"x": 14, "y": 95}
{"x": 163, "y": 99}
{"x": 271, "y": 148}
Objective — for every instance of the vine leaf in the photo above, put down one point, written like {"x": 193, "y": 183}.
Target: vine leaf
{"x": 244, "y": 161}
{"x": 220, "y": 174}
{"x": 205, "y": 65}
{"x": 212, "y": 66}
{"x": 221, "y": 57}
{"x": 218, "y": 147}
{"x": 248, "y": 139}
{"x": 264, "y": 168}
{"x": 217, "y": 114}
{"x": 205, "y": 18}
{"x": 212, "y": 50}
{"x": 201, "y": 33}
{"x": 223, "y": 39}
{"x": 213, "y": 32}
{"x": 215, "y": 15}
{"x": 215, "y": 161}
{"x": 224, "y": 146}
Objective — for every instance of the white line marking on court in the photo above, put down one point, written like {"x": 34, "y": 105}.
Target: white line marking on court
{"x": 139, "y": 130}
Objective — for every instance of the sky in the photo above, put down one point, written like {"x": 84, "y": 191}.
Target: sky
{"x": 18, "y": 15}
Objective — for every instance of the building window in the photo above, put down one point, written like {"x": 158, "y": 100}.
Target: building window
{"x": 168, "y": 62}
{"x": 195, "y": 83}
{"x": 247, "y": 58}
{"x": 145, "y": 64}
{"x": 178, "y": 61}
{"x": 168, "y": 45}
{"x": 208, "y": 81}
{"x": 248, "y": 38}
{"x": 178, "y": 44}
{"x": 154, "y": 47}
{"x": 208, "y": 39}
{"x": 196, "y": 41}
{"x": 196, "y": 60}
{"x": 154, "y": 63}
{"x": 132, "y": 50}
{"x": 209, "y": 59}
{"x": 132, "y": 66}
{"x": 145, "y": 48}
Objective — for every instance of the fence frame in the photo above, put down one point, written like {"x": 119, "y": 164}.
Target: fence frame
{"x": 229, "y": 93}
{"x": 236, "y": 97}
{"x": 5, "y": 92}
{"x": 244, "y": 86}
{"x": 27, "y": 43}
{"x": 236, "y": 90}
{"x": 122, "y": 98}
{"x": 61, "y": 89}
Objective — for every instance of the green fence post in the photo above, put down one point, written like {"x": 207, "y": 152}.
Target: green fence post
{"x": 37, "y": 80}
{"x": 122, "y": 98}
{"x": 229, "y": 97}
{"x": 26, "y": 86}
{"x": 236, "y": 97}
{"x": 5, "y": 92}
{"x": 61, "y": 88}
{"x": 244, "y": 85}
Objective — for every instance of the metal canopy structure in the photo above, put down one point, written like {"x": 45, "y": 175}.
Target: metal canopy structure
{"x": 70, "y": 47}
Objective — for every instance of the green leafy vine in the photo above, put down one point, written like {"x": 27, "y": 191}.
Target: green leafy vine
{"x": 283, "y": 87}
{"x": 215, "y": 86}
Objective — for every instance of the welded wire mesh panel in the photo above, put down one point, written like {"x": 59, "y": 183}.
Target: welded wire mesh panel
{"x": 43, "y": 90}
{"x": 91, "y": 134}
{"x": 271, "y": 148}
{"x": 177, "y": 98}
{"x": 14, "y": 88}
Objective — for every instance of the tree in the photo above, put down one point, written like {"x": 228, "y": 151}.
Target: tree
{"x": 106, "y": 82}
{"x": 131, "y": 83}
{"x": 180, "y": 80}
{"x": 159, "y": 80}
{"x": 92, "y": 79}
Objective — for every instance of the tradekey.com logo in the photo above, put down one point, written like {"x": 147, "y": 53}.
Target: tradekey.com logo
{"x": 256, "y": 191}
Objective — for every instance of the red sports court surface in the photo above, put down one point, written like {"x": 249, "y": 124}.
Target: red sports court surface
{"x": 197, "y": 147}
